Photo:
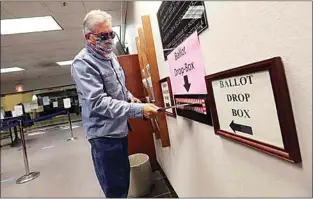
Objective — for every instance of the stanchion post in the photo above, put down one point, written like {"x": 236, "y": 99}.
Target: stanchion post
{"x": 71, "y": 129}
{"x": 29, "y": 175}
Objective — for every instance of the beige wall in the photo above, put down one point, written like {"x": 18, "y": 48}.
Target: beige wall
{"x": 199, "y": 163}
{"x": 9, "y": 101}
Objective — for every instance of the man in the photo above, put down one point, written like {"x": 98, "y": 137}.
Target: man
{"x": 100, "y": 84}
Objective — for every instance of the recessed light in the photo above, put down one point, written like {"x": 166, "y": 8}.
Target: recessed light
{"x": 65, "y": 63}
{"x": 10, "y": 70}
{"x": 27, "y": 25}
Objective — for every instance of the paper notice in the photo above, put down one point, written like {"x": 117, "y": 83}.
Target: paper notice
{"x": 67, "y": 102}
{"x": 34, "y": 106}
{"x": 18, "y": 109}
{"x": 55, "y": 104}
{"x": 46, "y": 100}
{"x": 27, "y": 108}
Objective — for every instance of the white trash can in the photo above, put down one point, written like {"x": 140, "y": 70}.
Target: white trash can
{"x": 140, "y": 175}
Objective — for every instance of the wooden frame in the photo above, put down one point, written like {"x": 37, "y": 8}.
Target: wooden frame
{"x": 167, "y": 79}
{"x": 291, "y": 150}
{"x": 148, "y": 46}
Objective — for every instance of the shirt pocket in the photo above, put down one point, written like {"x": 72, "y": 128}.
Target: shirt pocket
{"x": 110, "y": 83}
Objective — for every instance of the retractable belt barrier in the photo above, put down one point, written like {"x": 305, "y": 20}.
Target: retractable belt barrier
{"x": 44, "y": 117}
{"x": 18, "y": 121}
{"x": 2, "y": 128}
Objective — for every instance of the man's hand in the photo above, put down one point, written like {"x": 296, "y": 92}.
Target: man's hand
{"x": 134, "y": 100}
{"x": 150, "y": 110}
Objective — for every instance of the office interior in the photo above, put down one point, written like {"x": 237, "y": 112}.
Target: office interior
{"x": 188, "y": 157}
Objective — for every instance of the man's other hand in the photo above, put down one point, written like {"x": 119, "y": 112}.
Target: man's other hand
{"x": 134, "y": 100}
{"x": 150, "y": 110}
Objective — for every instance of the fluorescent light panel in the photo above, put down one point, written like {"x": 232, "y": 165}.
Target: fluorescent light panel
{"x": 65, "y": 63}
{"x": 10, "y": 70}
{"x": 27, "y": 25}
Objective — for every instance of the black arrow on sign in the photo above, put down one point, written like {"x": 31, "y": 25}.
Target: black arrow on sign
{"x": 187, "y": 84}
{"x": 241, "y": 128}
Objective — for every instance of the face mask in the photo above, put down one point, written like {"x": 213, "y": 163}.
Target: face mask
{"x": 104, "y": 47}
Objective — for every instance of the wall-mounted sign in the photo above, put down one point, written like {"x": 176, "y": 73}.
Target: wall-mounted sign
{"x": 18, "y": 110}
{"x": 55, "y": 104}
{"x": 46, "y": 100}
{"x": 251, "y": 105}
{"x": 167, "y": 96}
{"x": 67, "y": 102}
{"x": 33, "y": 106}
{"x": 178, "y": 20}
{"x": 13, "y": 113}
{"x": 27, "y": 108}
{"x": 187, "y": 68}
{"x": 1, "y": 114}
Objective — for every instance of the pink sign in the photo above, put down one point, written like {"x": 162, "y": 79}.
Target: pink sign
{"x": 187, "y": 67}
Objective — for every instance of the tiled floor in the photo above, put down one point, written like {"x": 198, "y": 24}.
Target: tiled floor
{"x": 160, "y": 187}
{"x": 66, "y": 168}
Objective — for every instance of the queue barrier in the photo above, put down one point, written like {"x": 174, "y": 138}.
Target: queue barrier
{"x": 18, "y": 121}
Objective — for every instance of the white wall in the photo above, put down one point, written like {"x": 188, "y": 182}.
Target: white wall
{"x": 38, "y": 83}
{"x": 199, "y": 163}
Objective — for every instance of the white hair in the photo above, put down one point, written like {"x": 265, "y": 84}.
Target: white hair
{"x": 95, "y": 17}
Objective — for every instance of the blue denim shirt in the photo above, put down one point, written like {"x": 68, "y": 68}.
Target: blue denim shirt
{"x": 100, "y": 84}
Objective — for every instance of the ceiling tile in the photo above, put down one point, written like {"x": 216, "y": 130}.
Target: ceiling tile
{"x": 37, "y": 52}
{"x": 70, "y": 21}
{"x": 32, "y": 74}
{"x": 41, "y": 59}
{"x": 56, "y": 7}
{"x": 104, "y": 5}
{"x": 41, "y": 37}
{"x": 24, "y": 9}
{"x": 42, "y": 48}
{"x": 6, "y": 15}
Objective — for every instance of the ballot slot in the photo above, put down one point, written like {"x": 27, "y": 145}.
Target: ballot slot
{"x": 198, "y": 105}
{"x": 199, "y": 110}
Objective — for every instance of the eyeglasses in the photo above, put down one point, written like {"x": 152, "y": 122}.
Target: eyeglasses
{"x": 104, "y": 35}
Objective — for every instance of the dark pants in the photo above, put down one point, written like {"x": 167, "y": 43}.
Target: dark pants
{"x": 110, "y": 158}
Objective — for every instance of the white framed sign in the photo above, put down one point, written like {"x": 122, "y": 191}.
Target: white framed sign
{"x": 238, "y": 102}
{"x": 251, "y": 105}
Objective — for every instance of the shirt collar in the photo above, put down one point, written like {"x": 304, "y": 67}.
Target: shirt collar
{"x": 96, "y": 54}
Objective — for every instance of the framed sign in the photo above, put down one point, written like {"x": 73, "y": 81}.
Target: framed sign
{"x": 167, "y": 96}
{"x": 178, "y": 20}
{"x": 251, "y": 105}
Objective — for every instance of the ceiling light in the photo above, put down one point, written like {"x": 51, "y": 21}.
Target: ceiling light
{"x": 27, "y": 25}
{"x": 65, "y": 63}
{"x": 10, "y": 70}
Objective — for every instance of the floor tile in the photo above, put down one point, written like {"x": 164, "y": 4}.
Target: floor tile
{"x": 166, "y": 195}
{"x": 66, "y": 170}
{"x": 158, "y": 187}
{"x": 157, "y": 175}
